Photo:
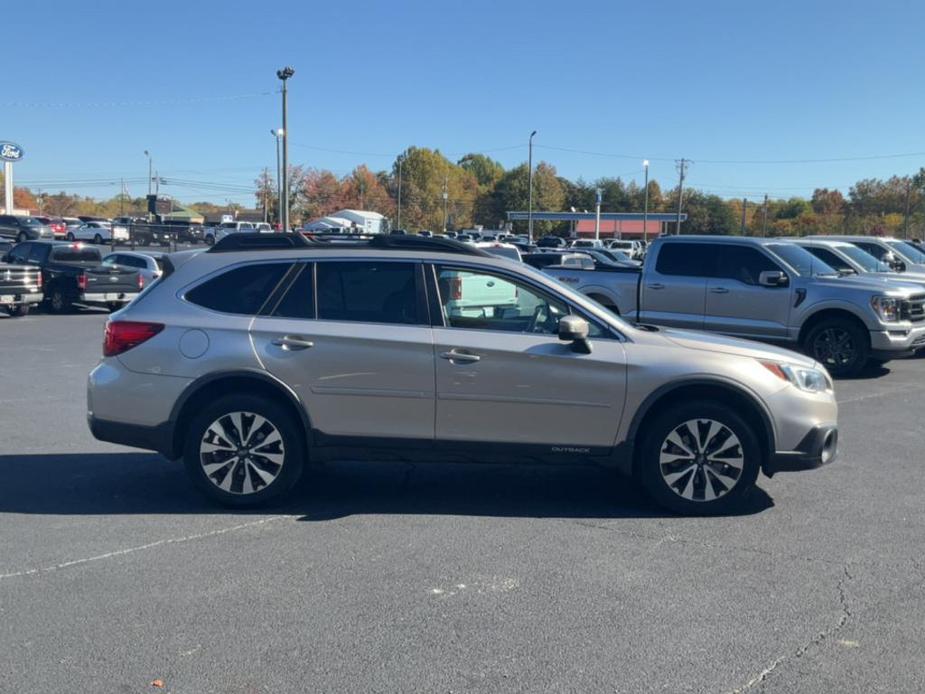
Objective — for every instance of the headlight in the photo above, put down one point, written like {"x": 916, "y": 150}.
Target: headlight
{"x": 805, "y": 378}
{"x": 886, "y": 307}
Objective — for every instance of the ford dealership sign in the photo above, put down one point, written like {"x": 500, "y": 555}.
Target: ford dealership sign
{"x": 10, "y": 151}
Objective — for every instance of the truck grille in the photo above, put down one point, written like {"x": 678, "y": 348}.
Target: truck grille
{"x": 913, "y": 309}
{"x": 18, "y": 277}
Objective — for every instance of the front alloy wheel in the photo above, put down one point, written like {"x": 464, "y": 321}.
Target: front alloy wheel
{"x": 701, "y": 460}
{"x": 242, "y": 453}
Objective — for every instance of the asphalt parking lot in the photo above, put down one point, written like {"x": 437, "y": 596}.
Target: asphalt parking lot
{"x": 378, "y": 577}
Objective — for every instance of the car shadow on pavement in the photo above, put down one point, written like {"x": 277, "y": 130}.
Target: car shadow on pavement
{"x": 145, "y": 483}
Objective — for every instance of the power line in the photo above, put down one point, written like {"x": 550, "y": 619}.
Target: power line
{"x": 120, "y": 103}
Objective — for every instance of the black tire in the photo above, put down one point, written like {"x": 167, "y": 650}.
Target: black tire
{"x": 244, "y": 472}
{"x": 20, "y": 310}
{"x": 210, "y": 240}
{"x": 98, "y": 240}
{"x": 840, "y": 345}
{"x": 70, "y": 236}
{"x": 58, "y": 301}
{"x": 113, "y": 306}
{"x": 22, "y": 237}
{"x": 721, "y": 475}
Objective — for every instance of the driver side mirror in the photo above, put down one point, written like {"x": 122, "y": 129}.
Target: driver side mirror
{"x": 773, "y": 278}
{"x": 575, "y": 330}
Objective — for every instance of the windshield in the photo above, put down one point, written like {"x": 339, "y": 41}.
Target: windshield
{"x": 867, "y": 262}
{"x": 31, "y": 221}
{"x": 801, "y": 260}
{"x": 908, "y": 251}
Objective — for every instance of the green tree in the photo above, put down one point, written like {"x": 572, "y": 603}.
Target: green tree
{"x": 548, "y": 194}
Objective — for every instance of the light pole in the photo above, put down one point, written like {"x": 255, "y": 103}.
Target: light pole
{"x": 645, "y": 206}
{"x": 446, "y": 197}
{"x": 530, "y": 189}
{"x": 150, "y": 170}
{"x": 278, "y": 133}
{"x": 284, "y": 75}
{"x": 401, "y": 160}
{"x": 597, "y": 214}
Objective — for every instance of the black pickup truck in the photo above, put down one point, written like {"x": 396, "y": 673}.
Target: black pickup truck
{"x": 20, "y": 287}
{"x": 73, "y": 273}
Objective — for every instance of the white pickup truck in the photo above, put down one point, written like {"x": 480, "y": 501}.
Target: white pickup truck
{"x": 763, "y": 289}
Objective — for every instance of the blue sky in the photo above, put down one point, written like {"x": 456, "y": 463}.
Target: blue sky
{"x": 89, "y": 87}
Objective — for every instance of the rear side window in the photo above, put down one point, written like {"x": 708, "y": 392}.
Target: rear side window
{"x": 874, "y": 249}
{"x": 76, "y": 254}
{"x": 242, "y": 290}
{"x": 685, "y": 259}
{"x": 369, "y": 292}
{"x": 20, "y": 253}
{"x": 828, "y": 257}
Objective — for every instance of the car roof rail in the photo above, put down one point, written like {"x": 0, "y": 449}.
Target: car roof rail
{"x": 424, "y": 243}
{"x": 257, "y": 241}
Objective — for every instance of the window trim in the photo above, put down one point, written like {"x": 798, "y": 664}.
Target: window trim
{"x": 439, "y": 321}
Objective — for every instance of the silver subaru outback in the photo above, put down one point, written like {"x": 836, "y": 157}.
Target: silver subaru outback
{"x": 268, "y": 353}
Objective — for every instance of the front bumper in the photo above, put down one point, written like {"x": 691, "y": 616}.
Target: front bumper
{"x": 897, "y": 341}
{"x": 819, "y": 447}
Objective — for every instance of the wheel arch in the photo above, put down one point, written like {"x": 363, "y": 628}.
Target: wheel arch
{"x": 746, "y": 404}
{"x": 215, "y": 385}
{"x": 828, "y": 313}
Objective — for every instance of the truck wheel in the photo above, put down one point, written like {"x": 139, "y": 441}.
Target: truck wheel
{"x": 699, "y": 459}
{"x": 70, "y": 236}
{"x": 22, "y": 237}
{"x": 113, "y": 306}
{"x": 209, "y": 240}
{"x": 20, "y": 310}
{"x": 58, "y": 301}
{"x": 839, "y": 345}
{"x": 97, "y": 239}
{"x": 243, "y": 451}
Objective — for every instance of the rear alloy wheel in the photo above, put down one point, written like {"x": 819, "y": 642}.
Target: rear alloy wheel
{"x": 20, "y": 310}
{"x": 58, "y": 301}
{"x": 839, "y": 345}
{"x": 243, "y": 451}
{"x": 700, "y": 459}
{"x": 97, "y": 239}
{"x": 22, "y": 237}
{"x": 70, "y": 236}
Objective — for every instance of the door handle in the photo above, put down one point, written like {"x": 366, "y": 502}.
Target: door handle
{"x": 656, "y": 285}
{"x": 462, "y": 357}
{"x": 719, "y": 290}
{"x": 293, "y": 343}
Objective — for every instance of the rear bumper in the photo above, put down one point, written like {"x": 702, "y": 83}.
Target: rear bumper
{"x": 12, "y": 299}
{"x": 157, "y": 438}
{"x": 105, "y": 298}
{"x": 819, "y": 447}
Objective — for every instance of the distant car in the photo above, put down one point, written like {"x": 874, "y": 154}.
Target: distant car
{"x": 24, "y": 228}
{"x": 552, "y": 242}
{"x": 633, "y": 249}
{"x": 57, "y": 224}
{"x": 96, "y": 232}
{"x": 425, "y": 233}
{"x": 213, "y": 234}
{"x": 150, "y": 265}
{"x": 542, "y": 260}
{"x": 586, "y": 243}
{"x": 503, "y": 250}
{"x": 465, "y": 238}
{"x": 451, "y": 234}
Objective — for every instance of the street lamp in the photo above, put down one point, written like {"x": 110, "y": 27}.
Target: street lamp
{"x": 401, "y": 160}
{"x": 645, "y": 208}
{"x": 278, "y": 133}
{"x": 530, "y": 190}
{"x": 284, "y": 74}
{"x": 150, "y": 170}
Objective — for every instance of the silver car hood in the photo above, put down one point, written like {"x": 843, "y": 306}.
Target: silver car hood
{"x": 866, "y": 283}
{"x": 713, "y": 342}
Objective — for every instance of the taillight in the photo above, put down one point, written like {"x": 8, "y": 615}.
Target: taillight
{"x": 38, "y": 281}
{"x": 456, "y": 288}
{"x": 121, "y": 336}
{"x": 141, "y": 282}
{"x": 82, "y": 281}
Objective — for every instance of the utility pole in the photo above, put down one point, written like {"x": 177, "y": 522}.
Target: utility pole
{"x": 906, "y": 212}
{"x": 446, "y": 197}
{"x": 266, "y": 194}
{"x": 401, "y": 159}
{"x": 597, "y": 214}
{"x": 764, "y": 223}
{"x": 150, "y": 170}
{"x": 284, "y": 75}
{"x": 530, "y": 189}
{"x": 122, "y": 198}
{"x": 682, "y": 169}
{"x": 645, "y": 206}
{"x": 744, "y": 208}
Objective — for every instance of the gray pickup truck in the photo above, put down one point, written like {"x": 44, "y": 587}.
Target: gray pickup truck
{"x": 763, "y": 289}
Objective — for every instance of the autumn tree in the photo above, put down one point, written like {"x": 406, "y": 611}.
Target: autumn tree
{"x": 548, "y": 194}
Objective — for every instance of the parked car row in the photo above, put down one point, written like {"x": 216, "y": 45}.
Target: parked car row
{"x": 61, "y": 275}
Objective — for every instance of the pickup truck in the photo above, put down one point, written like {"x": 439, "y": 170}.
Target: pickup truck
{"x": 763, "y": 289}
{"x": 73, "y": 273}
{"x": 20, "y": 288}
